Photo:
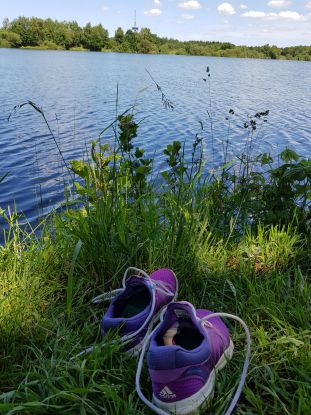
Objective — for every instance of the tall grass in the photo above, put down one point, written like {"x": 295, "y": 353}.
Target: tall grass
{"x": 229, "y": 254}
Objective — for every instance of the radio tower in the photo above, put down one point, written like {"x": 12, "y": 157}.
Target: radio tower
{"x": 135, "y": 28}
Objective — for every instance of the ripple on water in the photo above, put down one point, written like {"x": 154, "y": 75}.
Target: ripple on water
{"x": 77, "y": 91}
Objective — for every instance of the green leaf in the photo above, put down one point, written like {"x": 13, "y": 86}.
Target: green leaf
{"x": 295, "y": 173}
{"x": 139, "y": 153}
{"x": 5, "y": 407}
{"x": 80, "y": 168}
{"x": 176, "y": 147}
{"x": 70, "y": 277}
{"x": 290, "y": 340}
{"x": 143, "y": 170}
{"x": 289, "y": 155}
{"x": 265, "y": 158}
{"x": 165, "y": 175}
{"x": 104, "y": 147}
{"x": 226, "y": 165}
{"x": 80, "y": 189}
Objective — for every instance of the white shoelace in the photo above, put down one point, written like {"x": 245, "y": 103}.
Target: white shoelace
{"x": 202, "y": 320}
{"x": 109, "y": 296}
{"x": 161, "y": 287}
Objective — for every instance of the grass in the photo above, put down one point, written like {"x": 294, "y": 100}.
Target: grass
{"x": 79, "y": 49}
{"x": 45, "y": 46}
{"x": 224, "y": 260}
{"x": 53, "y": 46}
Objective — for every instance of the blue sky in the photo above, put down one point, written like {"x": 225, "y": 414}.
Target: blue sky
{"x": 250, "y": 22}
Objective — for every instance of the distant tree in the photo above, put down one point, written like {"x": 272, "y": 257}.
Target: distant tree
{"x": 96, "y": 37}
{"x": 119, "y": 35}
{"x": 274, "y": 52}
{"x": 147, "y": 41}
{"x": 77, "y": 33}
{"x": 145, "y": 46}
{"x": 25, "y": 31}
{"x": 131, "y": 41}
{"x": 227, "y": 45}
{"x": 6, "y": 23}
{"x": 9, "y": 39}
{"x": 21, "y": 26}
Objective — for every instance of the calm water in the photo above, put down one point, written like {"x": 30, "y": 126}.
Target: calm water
{"x": 77, "y": 92}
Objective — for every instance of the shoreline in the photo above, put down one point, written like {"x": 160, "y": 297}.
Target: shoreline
{"x": 41, "y": 48}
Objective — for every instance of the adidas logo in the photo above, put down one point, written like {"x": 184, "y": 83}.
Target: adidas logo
{"x": 167, "y": 393}
{"x": 181, "y": 313}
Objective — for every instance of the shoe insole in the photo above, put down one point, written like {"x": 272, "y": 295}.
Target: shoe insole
{"x": 188, "y": 338}
{"x": 135, "y": 304}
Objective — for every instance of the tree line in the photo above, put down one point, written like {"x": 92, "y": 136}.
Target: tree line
{"x": 52, "y": 34}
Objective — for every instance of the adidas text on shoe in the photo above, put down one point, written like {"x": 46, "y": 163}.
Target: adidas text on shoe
{"x": 186, "y": 350}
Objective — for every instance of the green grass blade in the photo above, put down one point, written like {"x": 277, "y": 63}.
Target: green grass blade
{"x": 70, "y": 277}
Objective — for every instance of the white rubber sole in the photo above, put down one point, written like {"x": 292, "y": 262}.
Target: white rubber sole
{"x": 190, "y": 405}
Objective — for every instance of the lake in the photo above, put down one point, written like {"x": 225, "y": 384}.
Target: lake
{"x": 77, "y": 91}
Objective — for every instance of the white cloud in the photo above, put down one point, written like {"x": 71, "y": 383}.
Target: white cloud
{"x": 308, "y": 5}
{"x": 243, "y": 6}
{"x": 292, "y": 16}
{"x": 153, "y": 12}
{"x": 104, "y": 8}
{"x": 157, "y": 2}
{"x": 191, "y": 5}
{"x": 187, "y": 16}
{"x": 289, "y": 16}
{"x": 225, "y": 8}
{"x": 278, "y": 4}
{"x": 254, "y": 14}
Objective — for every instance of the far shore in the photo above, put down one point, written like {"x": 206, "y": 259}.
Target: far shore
{"x": 81, "y": 49}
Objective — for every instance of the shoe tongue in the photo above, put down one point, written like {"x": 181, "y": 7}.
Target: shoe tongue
{"x": 134, "y": 315}
{"x": 180, "y": 310}
{"x": 177, "y": 315}
{"x": 136, "y": 280}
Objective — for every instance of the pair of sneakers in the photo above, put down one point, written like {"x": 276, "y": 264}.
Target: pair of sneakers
{"x": 186, "y": 348}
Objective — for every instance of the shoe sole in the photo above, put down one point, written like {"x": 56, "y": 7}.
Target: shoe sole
{"x": 189, "y": 405}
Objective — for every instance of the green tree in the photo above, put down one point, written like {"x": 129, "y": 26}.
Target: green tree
{"x": 131, "y": 41}
{"x": 9, "y": 39}
{"x": 49, "y": 33}
{"x": 119, "y": 35}
{"x": 147, "y": 41}
{"x": 6, "y": 24}
{"x": 21, "y": 26}
{"x": 96, "y": 37}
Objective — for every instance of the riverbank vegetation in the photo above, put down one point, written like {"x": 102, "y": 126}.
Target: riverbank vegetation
{"x": 51, "y": 34}
{"x": 238, "y": 239}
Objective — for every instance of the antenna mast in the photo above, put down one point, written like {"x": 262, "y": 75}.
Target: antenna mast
{"x": 135, "y": 28}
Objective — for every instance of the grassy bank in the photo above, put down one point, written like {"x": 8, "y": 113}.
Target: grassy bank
{"x": 53, "y": 46}
{"x": 238, "y": 239}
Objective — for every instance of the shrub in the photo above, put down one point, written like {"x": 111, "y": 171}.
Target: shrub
{"x": 9, "y": 39}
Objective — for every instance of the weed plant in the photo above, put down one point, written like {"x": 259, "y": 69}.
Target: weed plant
{"x": 238, "y": 240}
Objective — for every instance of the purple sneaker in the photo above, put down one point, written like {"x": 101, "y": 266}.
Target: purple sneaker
{"x": 186, "y": 350}
{"x": 138, "y": 305}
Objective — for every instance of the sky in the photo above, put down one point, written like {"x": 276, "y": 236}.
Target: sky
{"x": 242, "y": 22}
